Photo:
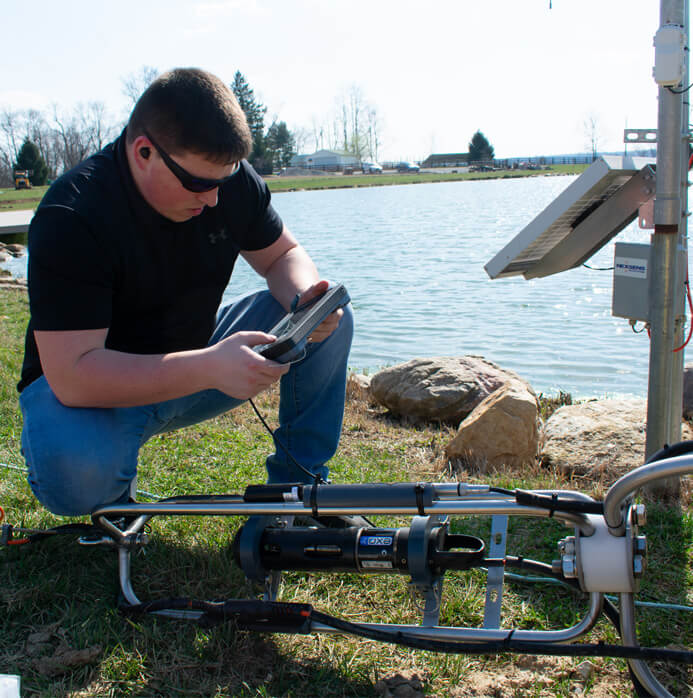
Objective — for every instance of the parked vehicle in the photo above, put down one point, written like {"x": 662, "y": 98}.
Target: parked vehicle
{"x": 21, "y": 179}
{"x": 371, "y": 168}
{"x": 407, "y": 167}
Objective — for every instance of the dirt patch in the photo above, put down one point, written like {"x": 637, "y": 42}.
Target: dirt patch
{"x": 52, "y": 654}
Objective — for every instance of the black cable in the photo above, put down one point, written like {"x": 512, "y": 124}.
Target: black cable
{"x": 501, "y": 490}
{"x": 7, "y": 530}
{"x": 315, "y": 477}
{"x": 505, "y": 645}
{"x": 587, "y": 266}
{"x": 679, "y": 92}
{"x": 289, "y": 617}
{"x": 667, "y": 451}
{"x": 555, "y": 503}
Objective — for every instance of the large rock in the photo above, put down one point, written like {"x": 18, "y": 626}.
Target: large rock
{"x": 441, "y": 388}
{"x": 502, "y": 430}
{"x": 358, "y": 386}
{"x": 600, "y": 438}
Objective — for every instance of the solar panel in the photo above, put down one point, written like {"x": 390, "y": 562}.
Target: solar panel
{"x": 594, "y": 208}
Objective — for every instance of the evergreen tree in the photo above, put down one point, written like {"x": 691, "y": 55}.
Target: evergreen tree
{"x": 29, "y": 158}
{"x": 281, "y": 144}
{"x": 255, "y": 115}
{"x": 479, "y": 148}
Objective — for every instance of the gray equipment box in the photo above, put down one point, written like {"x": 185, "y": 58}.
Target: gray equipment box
{"x": 631, "y": 266}
{"x": 632, "y": 277}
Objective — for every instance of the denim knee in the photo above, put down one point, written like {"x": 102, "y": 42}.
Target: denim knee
{"x": 78, "y": 458}
{"x": 68, "y": 486}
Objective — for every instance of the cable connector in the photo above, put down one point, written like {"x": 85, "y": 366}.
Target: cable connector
{"x": 5, "y": 534}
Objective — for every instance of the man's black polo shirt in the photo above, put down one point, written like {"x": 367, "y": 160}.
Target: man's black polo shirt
{"x": 100, "y": 256}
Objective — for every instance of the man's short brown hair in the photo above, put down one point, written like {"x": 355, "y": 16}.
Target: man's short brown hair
{"x": 191, "y": 110}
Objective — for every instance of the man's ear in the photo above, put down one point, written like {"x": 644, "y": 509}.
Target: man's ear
{"x": 141, "y": 152}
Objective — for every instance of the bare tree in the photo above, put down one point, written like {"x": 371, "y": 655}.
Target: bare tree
{"x": 135, "y": 83}
{"x": 345, "y": 126}
{"x": 74, "y": 141}
{"x": 317, "y": 132}
{"x": 39, "y": 132}
{"x": 63, "y": 140}
{"x": 96, "y": 120}
{"x": 301, "y": 136}
{"x": 354, "y": 122}
{"x": 11, "y": 129}
{"x": 81, "y": 133}
{"x": 591, "y": 132}
{"x": 357, "y": 110}
{"x": 352, "y": 126}
{"x": 374, "y": 132}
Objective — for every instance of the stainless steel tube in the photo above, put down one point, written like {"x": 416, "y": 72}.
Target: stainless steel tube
{"x": 459, "y": 508}
{"x": 463, "y": 635}
{"x": 629, "y": 483}
{"x": 629, "y": 637}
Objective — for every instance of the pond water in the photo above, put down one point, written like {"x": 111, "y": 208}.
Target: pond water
{"x": 412, "y": 258}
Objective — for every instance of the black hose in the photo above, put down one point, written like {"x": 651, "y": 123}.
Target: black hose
{"x": 557, "y": 503}
{"x": 677, "y": 449}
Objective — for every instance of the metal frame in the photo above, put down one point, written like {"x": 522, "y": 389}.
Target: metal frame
{"x": 470, "y": 503}
{"x": 620, "y": 519}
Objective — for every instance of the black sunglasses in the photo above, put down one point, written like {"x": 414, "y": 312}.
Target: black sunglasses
{"x": 189, "y": 182}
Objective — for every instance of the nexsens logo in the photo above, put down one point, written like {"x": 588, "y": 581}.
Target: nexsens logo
{"x": 629, "y": 266}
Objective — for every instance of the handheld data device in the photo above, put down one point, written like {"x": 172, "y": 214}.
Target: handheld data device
{"x": 293, "y": 330}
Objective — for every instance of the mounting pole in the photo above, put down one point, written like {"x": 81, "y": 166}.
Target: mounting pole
{"x": 666, "y": 290}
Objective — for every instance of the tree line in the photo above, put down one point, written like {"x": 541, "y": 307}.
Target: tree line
{"x": 49, "y": 143}
{"x": 53, "y": 141}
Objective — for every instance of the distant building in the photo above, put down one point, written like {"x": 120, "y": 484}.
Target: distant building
{"x": 446, "y": 160}
{"x": 325, "y": 160}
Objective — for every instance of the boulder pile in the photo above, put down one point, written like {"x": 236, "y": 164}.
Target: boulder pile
{"x": 497, "y": 415}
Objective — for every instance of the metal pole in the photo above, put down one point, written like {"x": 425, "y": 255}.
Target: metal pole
{"x": 676, "y": 402}
{"x": 664, "y": 247}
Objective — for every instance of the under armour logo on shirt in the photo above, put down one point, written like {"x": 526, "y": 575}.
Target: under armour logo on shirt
{"x": 221, "y": 235}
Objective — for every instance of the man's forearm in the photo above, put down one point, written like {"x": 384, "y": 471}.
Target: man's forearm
{"x": 292, "y": 273}
{"x": 106, "y": 378}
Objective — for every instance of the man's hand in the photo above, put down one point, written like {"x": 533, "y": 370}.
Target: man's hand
{"x": 330, "y": 323}
{"x": 241, "y": 372}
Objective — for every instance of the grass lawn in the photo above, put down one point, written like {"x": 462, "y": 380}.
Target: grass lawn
{"x": 20, "y": 199}
{"x": 338, "y": 181}
{"x": 62, "y": 633}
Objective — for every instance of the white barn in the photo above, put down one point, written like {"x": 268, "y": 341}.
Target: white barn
{"x": 325, "y": 160}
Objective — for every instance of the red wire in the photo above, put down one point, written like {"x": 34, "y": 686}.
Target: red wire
{"x": 690, "y": 307}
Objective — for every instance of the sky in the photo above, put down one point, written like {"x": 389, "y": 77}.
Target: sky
{"x": 530, "y": 74}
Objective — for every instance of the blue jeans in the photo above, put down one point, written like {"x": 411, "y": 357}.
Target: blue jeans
{"x": 80, "y": 458}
